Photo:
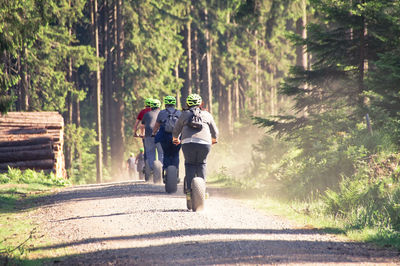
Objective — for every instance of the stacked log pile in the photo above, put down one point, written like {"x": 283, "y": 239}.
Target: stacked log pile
{"x": 32, "y": 140}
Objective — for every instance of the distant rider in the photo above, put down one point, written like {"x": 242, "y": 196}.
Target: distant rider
{"x": 131, "y": 165}
{"x": 147, "y": 108}
{"x": 139, "y": 161}
{"x": 196, "y": 143}
{"x": 163, "y": 133}
{"x": 149, "y": 121}
{"x": 139, "y": 118}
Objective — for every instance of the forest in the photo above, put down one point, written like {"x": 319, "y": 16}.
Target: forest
{"x": 322, "y": 77}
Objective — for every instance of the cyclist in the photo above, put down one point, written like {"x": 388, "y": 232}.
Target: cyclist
{"x": 131, "y": 165}
{"x": 148, "y": 122}
{"x": 147, "y": 103}
{"x": 139, "y": 161}
{"x": 147, "y": 108}
{"x": 196, "y": 142}
{"x": 163, "y": 133}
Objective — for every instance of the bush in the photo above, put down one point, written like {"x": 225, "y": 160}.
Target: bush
{"x": 316, "y": 157}
{"x": 369, "y": 198}
{"x": 16, "y": 176}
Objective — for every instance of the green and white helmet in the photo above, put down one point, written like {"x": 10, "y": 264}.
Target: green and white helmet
{"x": 169, "y": 100}
{"x": 148, "y": 101}
{"x": 155, "y": 103}
{"x": 193, "y": 99}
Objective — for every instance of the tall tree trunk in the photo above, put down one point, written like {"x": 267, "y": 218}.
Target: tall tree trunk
{"x": 187, "y": 88}
{"x": 301, "y": 51}
{"x": 228, "y": 90}
{"x": 229, "y": 109}
{"x": 19, "y": 86}
{"x": 209, "y": 77}
{"x": 113, "y": 91}
{"x": 99, "y": 160}
{"x": 301, "y": 23}
{"x": 107, "y": 80}
{"x": 219, "y": 98}
{"x": 236, "y": 105}
{"x": 178, "y": 102}
{"x": 196, "y": 61}
{"x": 273, "y": 96}
{"x": 77, "y": 122}
{"x": 117, "y": 140}
{"x": 363, "y": 63}
{"x": 206, "y": 78}
{"x": 244, "y": 102}
{"x": 257, "y": 80}
{"x": 69, "y": 151}
{"x": 24, "y": 81}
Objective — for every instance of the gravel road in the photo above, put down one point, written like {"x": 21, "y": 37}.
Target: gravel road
{"x": 135, "y": 223}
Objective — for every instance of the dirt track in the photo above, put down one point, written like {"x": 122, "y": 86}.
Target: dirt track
{"x": 134, "y": 223}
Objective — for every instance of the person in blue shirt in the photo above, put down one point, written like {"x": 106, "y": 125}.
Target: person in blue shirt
{"x": 163, "y": 132}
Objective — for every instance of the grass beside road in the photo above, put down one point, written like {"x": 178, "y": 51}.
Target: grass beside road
{"x": 18, "y": 231}
{"x": 306, "y": 214}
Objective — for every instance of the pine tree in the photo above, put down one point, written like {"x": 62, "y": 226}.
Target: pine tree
{"x": 341, "y": 48}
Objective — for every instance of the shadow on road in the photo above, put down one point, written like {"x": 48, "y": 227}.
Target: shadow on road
{"x": 229, "y": 252}
{"x": 184, "y": 232}
{"x": 101, "y": 191}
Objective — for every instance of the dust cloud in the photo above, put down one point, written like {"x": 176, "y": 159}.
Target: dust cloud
{"x": 233, "y": 154}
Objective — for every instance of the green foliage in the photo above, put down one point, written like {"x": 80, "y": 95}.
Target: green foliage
{"x": 331, "y": 153}
{"x": 5, "y": 103}
{"x": 223, "y": 178}
{"x": 17, "y": 190}
{"x": 16, "y": 176}
{"x": 37, "y": 35}
{"x": 369, "y": 198}
{"x": 82, "y": 142}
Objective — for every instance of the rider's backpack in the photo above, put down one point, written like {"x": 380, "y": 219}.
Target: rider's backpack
{"x": 195, "y": 121}
{"x": 170, "y": 121}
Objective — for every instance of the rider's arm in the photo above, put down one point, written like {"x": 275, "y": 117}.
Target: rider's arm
{"x": 141, "y": 129}
{"x": 135, "y": 127}
{"x": 178, "y": 129}
{"x": 156, "y": 128}
{"x": 214, "y": 130}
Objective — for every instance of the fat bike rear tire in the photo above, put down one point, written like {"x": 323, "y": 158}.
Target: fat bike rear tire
{"x": 171, "y": 179}
{"x": 198, "y": 194}
{"x": 157, "y": 172}
{"x": 147, "y": 172}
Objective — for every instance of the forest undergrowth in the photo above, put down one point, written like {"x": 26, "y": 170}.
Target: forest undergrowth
{"x": 343, "y": 182}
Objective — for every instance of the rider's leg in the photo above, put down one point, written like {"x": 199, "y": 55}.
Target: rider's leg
{"x": 202, "y": 152}
{"x": 171, "y": 153}
{"x": 189, "y": 152}
{"x": 144, "y": 147}
{"x": 175, "y": 155}
{"x": 160, "y": 152}
{"x": 195, "y": 160}
{"x": 150, "y": 151}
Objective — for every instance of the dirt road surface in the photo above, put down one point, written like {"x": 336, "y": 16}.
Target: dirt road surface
{"x": 135, "y": 223}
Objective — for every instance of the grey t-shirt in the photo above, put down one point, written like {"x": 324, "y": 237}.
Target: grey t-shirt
{"x": 149, "y": 120}
{"x": 190, "y": 135}
{"x": 163, "y": 114}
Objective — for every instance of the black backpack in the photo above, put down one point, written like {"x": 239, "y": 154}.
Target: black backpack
{"x": 170, "y": 121}
{"x": 195, "y": 121}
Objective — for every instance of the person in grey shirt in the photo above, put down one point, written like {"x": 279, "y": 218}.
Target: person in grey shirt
{"x": 196, "y": 143}
{"x": 149, "y": 121}
{"x": 163, "y": 134}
